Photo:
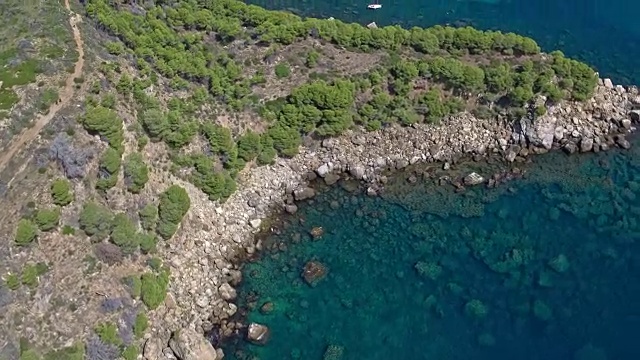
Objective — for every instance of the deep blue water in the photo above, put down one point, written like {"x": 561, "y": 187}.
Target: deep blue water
{"x": 604, "y": 33}
{"x": 546, "y": 267}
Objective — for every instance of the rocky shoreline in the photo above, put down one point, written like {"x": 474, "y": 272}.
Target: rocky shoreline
{"x": 205, "y": 255}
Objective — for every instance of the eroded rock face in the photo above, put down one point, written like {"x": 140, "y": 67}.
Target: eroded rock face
{"x": 187, "y": 344}
{"x": 153, "y": 349}
{"x": 258, "y": 333}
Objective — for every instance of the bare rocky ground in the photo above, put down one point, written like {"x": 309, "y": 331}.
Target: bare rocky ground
{"x": 203, "y": 255}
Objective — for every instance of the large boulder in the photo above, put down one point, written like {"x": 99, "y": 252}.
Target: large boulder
{"x": 188, "y": 344}
{"x": 153, "y": 349}
{"x": 540, "y": 133}
{"x": 258, "y": 334}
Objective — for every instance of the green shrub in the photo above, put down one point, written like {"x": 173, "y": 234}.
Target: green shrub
{"x": 148, "y": 217}
{"x": 26, "y": 232}
{"x": 282, "y": 70}
{"x": 136, "y": 173}
{"x": 74, "y": 352}
{"x": 108, "y": 333}
{"x": 174, "y": 204}
{"x": 61, "y": 192}
{"x": 106, "y": 123}
{"x": 312, "y": 59}
{"x": 68, "y": 230}
{"x": 124, "y": 234}
{"x": 29, "y": 354}
{"x": 130, "y": 352}
{"x": 12, "y": 281}
{"x": 148, "y": 243}
{"x": 47, "y": 219}
{"x": 249, "y": 146}
{"x": 95, "y": 219}
{"x": 29, "y": 276}
{"x": 134, "y": 284}
{"x": 141, "y": 325}
{"x": 540, "y": 110}
{"x": 155, "y": 263}
{"x": 108, "y": 169}
{"x": 154, "y": 288}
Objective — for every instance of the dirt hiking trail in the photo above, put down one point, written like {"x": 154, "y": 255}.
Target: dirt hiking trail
{"x": 65, "y": 96}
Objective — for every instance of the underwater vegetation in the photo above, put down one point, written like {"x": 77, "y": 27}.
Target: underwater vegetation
{"x": 544, "y": 267}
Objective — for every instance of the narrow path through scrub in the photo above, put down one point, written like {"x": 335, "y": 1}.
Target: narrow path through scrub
{"x": 65, "y": 96}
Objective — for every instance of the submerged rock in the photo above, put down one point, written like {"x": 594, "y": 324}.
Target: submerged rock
{"x": 313, "y": 272}
{"x": 333, "y": 352}
{"x": 473, "y": 179}
{"x": 590, "y": 352}
{"x": 560, "y": 263}
{"x": 267, "y": 308}
{"x": 317, "y": 232}
{"x": 258, "y": 334}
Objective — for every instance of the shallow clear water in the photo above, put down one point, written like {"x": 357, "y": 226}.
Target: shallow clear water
{"x": 603, "y": 33}
{"x": 547, "y": 267}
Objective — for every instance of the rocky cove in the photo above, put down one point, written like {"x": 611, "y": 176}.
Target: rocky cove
{"x": 206, "y": 255}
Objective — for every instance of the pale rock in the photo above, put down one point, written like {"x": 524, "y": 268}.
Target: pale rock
{"x": 255, "y": 223}
{"x": 473, "y": 179}
{"x": 258, "y": 334}
{"x": 323, "y": 170}
{"x": 227, "y": 292}
{"x": 187, "y": 344}
{"x": 152, "y": 349}
{"x": 608, "y": 83}
{"x": 357, "y": 171}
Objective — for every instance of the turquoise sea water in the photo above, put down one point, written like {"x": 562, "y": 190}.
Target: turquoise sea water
{"x": 604, "y": 33}
{"x": 546, "y": 267}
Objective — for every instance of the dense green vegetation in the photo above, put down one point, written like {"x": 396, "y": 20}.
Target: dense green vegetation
{"x": 29, "y": 276}
{"x": 47, "y": 219}
{"x": 154, "y": 288}
{"x": 108, "y": 169}
{"x": 106, "y": 123}
{"x": 26, "y": 232}
{"x": 174, "y": 204}
{"x": 95, "y": 220}
{"x": 427, "y": 75}
{"x": 61, "y": 192}
{"x": 136, "y": 173}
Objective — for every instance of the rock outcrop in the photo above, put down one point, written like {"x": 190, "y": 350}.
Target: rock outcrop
{"x": 187, "y": 344}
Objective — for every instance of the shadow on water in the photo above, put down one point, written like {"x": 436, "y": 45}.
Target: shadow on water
{"x": 546, "y": 267}
{"x": 601, "y": 32}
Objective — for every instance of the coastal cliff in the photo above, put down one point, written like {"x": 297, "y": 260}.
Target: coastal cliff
{"x": 204, "y": 266}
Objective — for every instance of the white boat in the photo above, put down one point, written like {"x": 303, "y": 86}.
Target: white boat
{"x": 375, "y": 6}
